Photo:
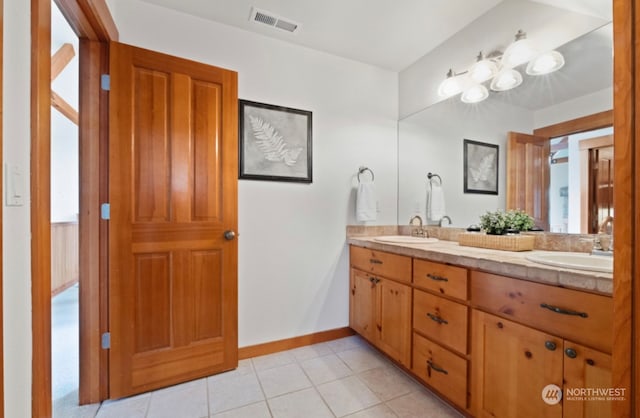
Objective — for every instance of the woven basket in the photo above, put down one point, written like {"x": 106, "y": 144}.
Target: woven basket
{"x": 497, "y": 242}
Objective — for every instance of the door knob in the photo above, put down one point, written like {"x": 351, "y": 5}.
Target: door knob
{"x": 229, "y": 235}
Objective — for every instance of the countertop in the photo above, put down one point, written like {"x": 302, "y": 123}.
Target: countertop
{"x": 507, "y": 263}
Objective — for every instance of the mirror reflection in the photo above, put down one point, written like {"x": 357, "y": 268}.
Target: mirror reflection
{"x": 565, "y": 182}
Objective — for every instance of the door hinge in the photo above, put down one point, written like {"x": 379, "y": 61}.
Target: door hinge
{"x": 105, "y": 211}
{"x": 105, "y": 82}
{"x": 106, "y": 341}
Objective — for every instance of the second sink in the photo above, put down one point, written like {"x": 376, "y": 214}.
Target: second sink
{"x": 405, "y": 239}
{"x": 578, "y": 261}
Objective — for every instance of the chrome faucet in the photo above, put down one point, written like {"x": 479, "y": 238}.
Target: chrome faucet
{"x": 417, "y": 231}
{"x": 443, "y": 218}
{"x": 604, "y": 239}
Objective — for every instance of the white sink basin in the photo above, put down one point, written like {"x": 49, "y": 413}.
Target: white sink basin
{"x": 579, "y": 261}
{"x": 405, "y": 239}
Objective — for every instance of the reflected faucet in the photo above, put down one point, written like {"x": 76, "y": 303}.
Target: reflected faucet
{"x": 443, "y": 218}
{"x": 604, "y": 238}
{"x": 420, "y": 230}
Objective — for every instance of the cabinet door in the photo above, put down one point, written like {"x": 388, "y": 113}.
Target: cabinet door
{"x": 585, "y": 368}
{"x": 511, "y": 365}
{"x": 362, "y": 304}
{"x": 393, "y": 320}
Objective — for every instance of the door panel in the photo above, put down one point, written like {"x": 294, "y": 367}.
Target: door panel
{"x": 173, "y": 193}
{"x": 528, "y": 176}
{"x": 362, "y": 299}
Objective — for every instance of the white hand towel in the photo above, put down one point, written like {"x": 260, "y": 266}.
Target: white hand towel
{"x": 366, "y": 202}
{"x": 436, "y": 207}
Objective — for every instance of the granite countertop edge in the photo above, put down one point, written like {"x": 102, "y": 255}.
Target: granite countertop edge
{"x": 506, "y": 263}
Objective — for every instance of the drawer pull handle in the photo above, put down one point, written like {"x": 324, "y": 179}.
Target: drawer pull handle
{"x": 437, "y": 319}
{"x": 437, "y": 278}
{"x": 374, "y": 280}
{"x": 375, "y": 261}
{"x": 438, "y": 369}
{"x": 564, "y": 311}
{"x": 550, "y": 345}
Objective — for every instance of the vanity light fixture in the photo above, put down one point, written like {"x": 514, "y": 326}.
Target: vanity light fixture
{"x": 545, "y": 63}
{"x": 519, "y": 52}
{"x": 483, "y": 69}
{"x": 499, "y": 68}
{"x": 506, "y": 79}
{"x": 451, "y": 85}
{"x": 475, "y": 94}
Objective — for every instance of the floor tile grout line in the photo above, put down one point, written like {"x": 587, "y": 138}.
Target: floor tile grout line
{"x": 314, "y": 386}
{"x": 264, "y": 394}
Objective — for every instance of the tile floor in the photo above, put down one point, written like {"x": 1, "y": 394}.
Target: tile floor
{"x": 341, "y": 378}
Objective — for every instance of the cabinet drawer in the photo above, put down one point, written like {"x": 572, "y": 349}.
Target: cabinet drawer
{"x": 389, "y": 265}
{"x": 441, "y": 369}
{"x": 441, "y": 320}
{"x": 441, "y": 278}
{"x": 579, "y": 316}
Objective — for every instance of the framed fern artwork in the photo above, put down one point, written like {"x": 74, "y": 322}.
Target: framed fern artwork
{"x": 275, "y": 143}
{"x": 480, "y": 167}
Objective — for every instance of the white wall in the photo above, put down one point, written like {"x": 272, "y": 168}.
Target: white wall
{"x": 432, "y": 141}
{"x": 293, "y": 274}
{"x": 15, "y": 222}
{"x": 558, "y": 216}
{"x": 598, "y": 101}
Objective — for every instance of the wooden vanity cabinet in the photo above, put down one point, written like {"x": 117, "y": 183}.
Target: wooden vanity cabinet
{"x": 487, "y": 343}
{"x": 586, "y": 368}
{"x": 513, "y": 361}
{"x": 440, "y": 325}
{"x": 380, "y": 307}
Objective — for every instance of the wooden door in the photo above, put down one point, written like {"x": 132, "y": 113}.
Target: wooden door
{"x": 586, "y": 368}
{"x": 596, "y": 176}
{"x": 528, "y": 176}
{"x": 393, "y": 320}
{"x": 362, "y": 300}
{"x": 173, "y": 194}
{"x": 511, "y": 365}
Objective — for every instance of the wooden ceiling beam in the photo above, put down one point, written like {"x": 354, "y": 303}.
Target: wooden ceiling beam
{"x": 61, "y": 59}
{"x": 64, "y": 107}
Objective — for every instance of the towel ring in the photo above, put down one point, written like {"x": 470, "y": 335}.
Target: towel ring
{"x": 430, "y": 176}
{"x": 362, "y": 170}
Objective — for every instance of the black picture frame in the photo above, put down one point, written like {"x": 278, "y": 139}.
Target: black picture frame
{"x": 481, "y": 162}
{"x": 275, "y": 143}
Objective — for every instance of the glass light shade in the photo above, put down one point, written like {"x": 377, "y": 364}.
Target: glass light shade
{"x": 450, "y": 86}
{"x": 545, "y": 63}
{"x": 518, "y": 53}
{"x": 483, "y": 70}
{"x": 506, "y": 80}
{"x": 475, "y": 94}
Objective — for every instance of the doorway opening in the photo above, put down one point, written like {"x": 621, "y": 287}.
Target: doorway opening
{"x": 65, "y": 331}
{"x": 581, "y": 181}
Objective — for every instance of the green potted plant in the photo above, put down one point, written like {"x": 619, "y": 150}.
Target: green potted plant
{"x": 512, "y": 221}
{"x": 494, "y": 223}
{"x": 518, "y": 220}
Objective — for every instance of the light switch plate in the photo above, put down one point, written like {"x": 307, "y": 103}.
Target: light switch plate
{"x": 14, "y": 185}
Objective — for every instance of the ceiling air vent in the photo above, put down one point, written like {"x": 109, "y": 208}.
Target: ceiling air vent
{"x": 273, "y": 20}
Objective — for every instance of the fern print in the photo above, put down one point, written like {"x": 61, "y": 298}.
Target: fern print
{"x": 483, "y": 170}
{"x": 271, "y": 143}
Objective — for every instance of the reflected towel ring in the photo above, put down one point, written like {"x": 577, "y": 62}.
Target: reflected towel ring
{"x": 430, "y": 176}
{"x": 362, "y": 170}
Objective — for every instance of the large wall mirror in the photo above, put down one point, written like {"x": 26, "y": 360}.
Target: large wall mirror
{"x": 432, "y": 139}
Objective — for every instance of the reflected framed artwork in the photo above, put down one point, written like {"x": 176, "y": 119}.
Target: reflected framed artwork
{"x": 480, "y": 167}
{"x": 275, "y": 143}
